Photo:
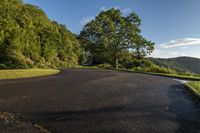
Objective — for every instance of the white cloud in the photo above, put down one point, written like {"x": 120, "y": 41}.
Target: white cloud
{"x": 87, "y": 19}
{"x": 184, "y": 47}
{"x": 176, "y": 48}
{"x": 166, "y": 54}
{"x": 181, "y": 43}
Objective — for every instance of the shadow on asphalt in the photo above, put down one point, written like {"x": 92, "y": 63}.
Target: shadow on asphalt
{"x": 185, "y": 118}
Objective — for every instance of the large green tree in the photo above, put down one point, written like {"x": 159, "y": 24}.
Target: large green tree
{"x": 111, "y": 35}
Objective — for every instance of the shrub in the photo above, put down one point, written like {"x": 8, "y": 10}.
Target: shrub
{"x": 3, "y": 66}
{"x": 157, "y": 69}
{"x": 105, "y": 65}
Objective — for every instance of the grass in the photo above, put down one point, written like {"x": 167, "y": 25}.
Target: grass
{"x": 86, "y": 67}
{"x": 184, "y": 77}
{"x": 172, "y": 75}
{"x": 195, "y": 87}
{"x": 26, "y": 73}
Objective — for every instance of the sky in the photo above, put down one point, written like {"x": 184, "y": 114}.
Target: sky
{"x": 174, "y": 25}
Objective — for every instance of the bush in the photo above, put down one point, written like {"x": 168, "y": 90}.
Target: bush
{"x": 3, "y": 66}
{"x": 188, "y": 74}
{"x": 105, "y": 65}
{"x": 138, "y": 69}
{"x": 157, "y": 69}
{"x": 133, "y": 63}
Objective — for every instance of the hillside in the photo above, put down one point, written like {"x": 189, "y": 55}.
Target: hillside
{"x": 180, "y": 64}
{"x": 28, "y": 38}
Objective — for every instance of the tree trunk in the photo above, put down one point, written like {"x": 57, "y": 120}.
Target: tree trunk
{"x": 116, "y": 60}
{"x": 116, "y": 63}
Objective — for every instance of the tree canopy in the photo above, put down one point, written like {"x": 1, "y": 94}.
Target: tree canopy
{"x": 111, "y": 36}
{"x": 28, "y": 38}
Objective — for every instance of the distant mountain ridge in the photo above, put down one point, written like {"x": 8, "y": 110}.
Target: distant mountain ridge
{"x": 180, "y": 64}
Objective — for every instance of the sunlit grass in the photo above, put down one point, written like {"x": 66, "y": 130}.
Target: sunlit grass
{"x": 195, "y": 87}
{"x": 26, "y": 73}
{"x": 178, "y": 76}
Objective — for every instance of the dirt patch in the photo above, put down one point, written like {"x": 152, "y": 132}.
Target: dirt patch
{"x": 9, "y": 123}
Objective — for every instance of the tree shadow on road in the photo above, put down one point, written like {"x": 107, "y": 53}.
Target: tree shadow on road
{"x": 109, "y": 119}
{"x": 186, "y": 108}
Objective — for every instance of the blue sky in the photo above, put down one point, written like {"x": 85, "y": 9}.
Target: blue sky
{"x": 174, "y": 25}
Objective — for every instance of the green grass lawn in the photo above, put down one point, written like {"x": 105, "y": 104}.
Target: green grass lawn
{"x": 195, "y": 87}
{"x": 26, "y": 73}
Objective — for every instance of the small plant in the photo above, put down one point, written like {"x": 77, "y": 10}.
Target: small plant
{"x": 3, "y": 66}
{"x": 105, "y": 65}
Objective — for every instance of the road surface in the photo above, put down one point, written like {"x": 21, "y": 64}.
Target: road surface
{"x": 97, "y": 101}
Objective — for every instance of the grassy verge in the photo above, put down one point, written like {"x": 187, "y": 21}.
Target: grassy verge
{"x": 195, "y": 87}
{"x": 85, "y": 67}
{"x": 26, "y": 73}
{"x": 184, "y": 77}
{"x": 177, "y": 76}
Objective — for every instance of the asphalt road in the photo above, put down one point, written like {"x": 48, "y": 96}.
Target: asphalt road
{"x": 97, "y": 101}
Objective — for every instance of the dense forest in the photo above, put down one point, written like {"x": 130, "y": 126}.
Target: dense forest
{"x": 28, "y": 38}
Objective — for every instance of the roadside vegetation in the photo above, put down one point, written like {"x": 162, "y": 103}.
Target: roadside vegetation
{"x": 178, "y": 76}
{"x": 26, "y": 73}
{"x": 195, "y": 87}
{"x": 28, "y": 38}
{"x": 114, "y": 39}
{"x": 149, "y": 67}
